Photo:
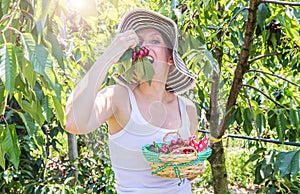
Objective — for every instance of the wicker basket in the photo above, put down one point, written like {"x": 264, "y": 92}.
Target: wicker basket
{"x": 179, "y": 158}
{"x": 176, "y": 165}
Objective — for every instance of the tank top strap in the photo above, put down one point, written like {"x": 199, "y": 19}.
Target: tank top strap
{"x": 134, "y": 107}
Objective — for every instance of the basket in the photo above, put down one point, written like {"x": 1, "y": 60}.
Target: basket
{"x": 176, "y": 165}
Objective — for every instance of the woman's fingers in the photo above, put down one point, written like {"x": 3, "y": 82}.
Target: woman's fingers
{"x": 122, "y": 42}
{"x": 128, "y": 39}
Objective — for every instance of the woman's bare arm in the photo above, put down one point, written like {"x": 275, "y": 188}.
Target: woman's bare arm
{"x": 87, "y": 108}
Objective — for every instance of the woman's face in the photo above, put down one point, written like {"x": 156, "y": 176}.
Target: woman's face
{"x": 159, "y": 53}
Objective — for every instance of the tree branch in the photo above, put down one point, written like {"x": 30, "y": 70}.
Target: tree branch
{"x": 12, "y": 15}
{"x": 263, "y": 56}
{"x": 281, "y": 2}
{"x": 278, "y": 76}
{"x": 277, "y": 104}
{"x": 236, "y": 14}
{"x": 242, "y": 65}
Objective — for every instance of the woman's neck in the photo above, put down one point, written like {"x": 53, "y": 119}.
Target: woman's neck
{"x": 155, "y": 90}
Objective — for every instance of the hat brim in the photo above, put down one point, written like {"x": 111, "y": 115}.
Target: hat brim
{"x": 179, "y": 79}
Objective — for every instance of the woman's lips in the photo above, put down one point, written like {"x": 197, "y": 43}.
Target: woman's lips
{"x": 151, "y": 59}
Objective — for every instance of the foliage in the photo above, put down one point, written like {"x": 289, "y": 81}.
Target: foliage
{"x": 45, "y": 48}
{"x": 268, "y": 103}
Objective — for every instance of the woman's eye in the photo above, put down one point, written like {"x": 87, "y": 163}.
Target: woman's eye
{"x": 155, "y": 41}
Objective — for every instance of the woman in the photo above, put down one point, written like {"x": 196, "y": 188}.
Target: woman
{"x": 136, "y": 111}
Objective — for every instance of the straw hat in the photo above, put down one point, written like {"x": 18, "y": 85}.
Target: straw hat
{"x": 179, "y": 79}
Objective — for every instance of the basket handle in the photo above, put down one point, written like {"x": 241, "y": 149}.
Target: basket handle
{"x": 172, "y": 132}
{"x": 183, "y": 148}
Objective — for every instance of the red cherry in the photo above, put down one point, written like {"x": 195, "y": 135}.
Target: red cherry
{"x": 180, "y": 141}
{"x": 173, "y": 142}
{"x": 141, "y": 54}
{"x": 134, "y": 56}
{"x": 146, "y": 51}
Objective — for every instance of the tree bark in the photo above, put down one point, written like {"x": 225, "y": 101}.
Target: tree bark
{"x": 73, "y": 155}
{"x": 218, "y": 167}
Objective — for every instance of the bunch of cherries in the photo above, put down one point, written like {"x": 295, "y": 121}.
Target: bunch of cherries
{"x": 167, "y": 148}
{"x": 139, "y": 53}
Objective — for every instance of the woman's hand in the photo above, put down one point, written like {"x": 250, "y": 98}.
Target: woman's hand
{"x": 121, "y": 43}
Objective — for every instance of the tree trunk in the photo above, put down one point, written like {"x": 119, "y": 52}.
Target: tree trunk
{"x": 217, "y": 159}
{"x": 73, "y": 155}
{"x": 218, "y": 167}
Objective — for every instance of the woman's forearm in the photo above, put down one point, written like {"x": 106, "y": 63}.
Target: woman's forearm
{"x": 80, "y": 104}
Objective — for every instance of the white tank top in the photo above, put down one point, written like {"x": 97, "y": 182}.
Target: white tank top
{"x": 132, "y": 172}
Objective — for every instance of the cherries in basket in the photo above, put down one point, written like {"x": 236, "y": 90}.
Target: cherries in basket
{"x": 180, "y": 146}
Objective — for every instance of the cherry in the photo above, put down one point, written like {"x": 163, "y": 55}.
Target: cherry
{"x": 134, "y": 56}
{"x": 141, "y": 54}
{"x": 146, "y": 51}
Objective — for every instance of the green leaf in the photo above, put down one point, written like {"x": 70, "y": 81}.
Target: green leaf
{"x": 59, "y": 111}
{"x": 247, "y": 121}
{"x": 272, "y": 118}
{"x": 28, "y": 73}
{"x": 238, "y": 116}
{"x": 56, "y": 49}
{"x": 295, "y": 164}
{"x": 293, "y": 34}
{"x": 47, "y": 108}
{"x": 252, "y": 158}
{"x": 283, "y": 163}
{"x": 33, "y": 108}
{"x": 149, "y": 71}
{"x": 207, "y": 69}
{"x": 281, "y": 126}
{"x": 2, "y": 98}
{"x": 2, "y": 153}
{"x": 212, "y": 60}
{"x": 39, "y": 59}
{"x": 139, "y": 69}
{"x": 8, "y": 60}
{"x": 10, "y": 144}
{"x": 126, "y": 56}
{"x": 29, "y": 123}
{"x": 272, "y": 190}
{"x": 262, "y": 15}
{"x": 294, "y": 116}
{"x": 261, "y": 122}
{"x": 258, "y": 178}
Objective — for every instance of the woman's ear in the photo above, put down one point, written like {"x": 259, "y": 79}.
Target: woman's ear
{"x": 170, "y": 61}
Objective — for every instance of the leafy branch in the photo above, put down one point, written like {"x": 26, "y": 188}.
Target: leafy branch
{"x": 11, "y": 17}
{"x": 242, "y": 65}
{"x": 229, "y": 23}
{"x": 281, "y": 2}
{"x": 262, "y": 56}
{"x": 278, "y": 76}
{"x": 277, "y": 104}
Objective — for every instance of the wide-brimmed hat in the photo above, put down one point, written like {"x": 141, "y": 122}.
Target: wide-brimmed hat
{"x": 179, "y": 79}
